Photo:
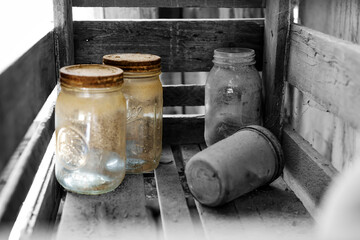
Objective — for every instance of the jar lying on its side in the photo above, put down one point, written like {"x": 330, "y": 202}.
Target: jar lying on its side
{"x": 144, "y": 99}
{"x": 232, "y": 94}
{"x": 90, "y": 121}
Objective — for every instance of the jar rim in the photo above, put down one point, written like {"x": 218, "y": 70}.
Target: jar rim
{"x": 91, "y": 76}
{"x": 244, "y": 56}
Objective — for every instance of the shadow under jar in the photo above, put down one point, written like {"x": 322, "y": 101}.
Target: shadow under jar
{"x": 144, "y": 100}
{"x": 90, "y": 122}
{"x": 232, "y": 94}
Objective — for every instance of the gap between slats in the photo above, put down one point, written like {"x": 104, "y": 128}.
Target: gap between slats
{"x": 170, "y": 3}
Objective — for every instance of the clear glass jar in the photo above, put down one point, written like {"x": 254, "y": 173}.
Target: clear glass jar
{"x": 232, "y": 94}
{"x": 144, "y": 99}
{"x": 90, "y": 123}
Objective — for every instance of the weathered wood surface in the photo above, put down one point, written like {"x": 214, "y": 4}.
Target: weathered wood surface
{"x": 16, "y": 178}
{"x": 38, "y": 212}
{"x": 306, "y": 171}
{"x": 121, "y": 212}
{"x": 63, "y": 28}
{"x": 170, "y": 4}
{"x": 184, "y": 45}
{"x": 328, "y": 70}
{"x": 184, "y": 95}
{"x": 175, "y": 214}
{"x": 183, "y": 128}
{"x": 336, "y": 18}
{"x": 256, "y": 214}
{"x": 277, "y": 27}
{"x": 24, "y": 87}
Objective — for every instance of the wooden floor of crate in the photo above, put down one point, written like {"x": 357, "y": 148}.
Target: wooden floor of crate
{"x": 159, "y": 205}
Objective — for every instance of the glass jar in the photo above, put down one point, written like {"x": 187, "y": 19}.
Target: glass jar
{"x": 232, "y": 94}
{"x": 90, "y": 123}
{"x": 144, "y": 100}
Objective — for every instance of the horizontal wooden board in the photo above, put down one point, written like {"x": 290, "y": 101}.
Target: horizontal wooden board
{"x": 183, "y": 45}
{"x": 175, "y": 215}
{"x": 327, "y": 69}
{"x": 18, "y": 174}
{"x": 24, "y": 87}
{"x": 183, "y": 128}
{"x": 306, "y": 172}
{"x": 184, "y": 95}
{"x": 121, "y": 212}
{"x": 170, "y": 3}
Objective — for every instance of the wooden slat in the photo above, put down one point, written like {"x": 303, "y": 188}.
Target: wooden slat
{"x": 170, "y": 4}
{"x": 327, "y": 69}
{"x": 24, "y": 87}
{"x": 175, "y": 215}
{"x": 277, "y": 27}
{"x": 18, "y": 175}
{"x": 184, "y": 45}
{"x": 183, "y": 128}
{"x": 108, "y": 216}
{"x": 306, "y": 171}
{"x": 220, "y": 222}
{"x": 184, "y": 95}
{"x": 273, "y": 207}
{"x": 40, "y": 207}
{"x": 63, "y": 28}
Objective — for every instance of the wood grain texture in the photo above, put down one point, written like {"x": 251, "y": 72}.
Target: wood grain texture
{"x": 183, "y": 45}
{"x": 175, "y": 214}
{"x": 16, "y": 178}
{"x": 121, "y": 212}
{"x": 170, "y": 4}
{"x": 40, "y": 207}
{"x": 184, "y": 95}
{"x": 277, "y": 27}
{"x": 24, "y": 87}
{"x": 274, "y": 207}
{"x": 327, "y": 69}
{"x": 63, "y": 28}
{"x": 306, "y": 171}
{"x": 183, "y": 128}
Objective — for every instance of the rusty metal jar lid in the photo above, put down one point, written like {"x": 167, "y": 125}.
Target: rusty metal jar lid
{"x": 91, "y": 76}
{"x": 134, "y": 62}
{"x": 275, "y": 145}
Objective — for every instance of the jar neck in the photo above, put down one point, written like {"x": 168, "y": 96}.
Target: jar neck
{"x": 70, "y": 88}
{"x": 236, "y": 57}
{"x": 142, "y": 76}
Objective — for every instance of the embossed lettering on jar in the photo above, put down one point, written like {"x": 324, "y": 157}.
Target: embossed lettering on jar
{"x": 232, "y": 94}
{"x": 90, "y": 121}
{"x": 144, "y": 100}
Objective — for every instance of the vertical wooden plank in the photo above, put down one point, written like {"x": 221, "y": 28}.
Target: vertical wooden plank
{"x": 64, "y": 40}
{"x": 277, "y": 27}
{"x": 174, "y": 211}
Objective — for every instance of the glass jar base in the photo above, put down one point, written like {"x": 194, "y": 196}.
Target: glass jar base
{"x": 89, "y": 183}
{"x": 137, "y": 165}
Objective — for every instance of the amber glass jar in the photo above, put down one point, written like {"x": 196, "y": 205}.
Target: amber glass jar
{"x": 144, "y": 99}
{"x": 90, "y": 122}
{"x": 232, "y": 94}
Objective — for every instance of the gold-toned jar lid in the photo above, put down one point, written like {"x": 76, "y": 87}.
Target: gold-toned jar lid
{"x": 91, "y": 76}
{"x": 134, "y": 62}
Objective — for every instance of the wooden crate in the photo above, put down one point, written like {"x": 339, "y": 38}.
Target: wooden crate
{"x": 160, "y": 202}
